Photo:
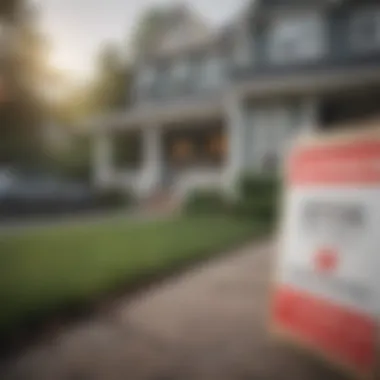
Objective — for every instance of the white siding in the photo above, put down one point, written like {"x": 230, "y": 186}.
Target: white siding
{"x": 272, "y": 129}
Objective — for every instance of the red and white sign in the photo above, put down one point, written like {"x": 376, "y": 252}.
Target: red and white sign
{"x": 327, "y": 294}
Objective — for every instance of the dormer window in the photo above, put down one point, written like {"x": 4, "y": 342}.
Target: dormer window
{"x": 296, "y": 38}
{"x": 365, "y": 30}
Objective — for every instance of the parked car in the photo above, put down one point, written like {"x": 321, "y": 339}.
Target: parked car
{"x": 24, "y": 193}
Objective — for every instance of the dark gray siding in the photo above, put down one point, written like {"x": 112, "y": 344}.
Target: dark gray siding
{"x": 339, "y": 53}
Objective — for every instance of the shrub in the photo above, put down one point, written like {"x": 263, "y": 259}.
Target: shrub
{"x": 111, "y": 198}
{"x": 258, "y": 198}
{"x": 253, "y": 186}
{"x": 205, "y": 202}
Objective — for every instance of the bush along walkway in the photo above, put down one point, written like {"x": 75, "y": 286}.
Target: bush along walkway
{"x": 208, "y": 324}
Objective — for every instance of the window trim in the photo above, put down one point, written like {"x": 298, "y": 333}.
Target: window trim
{"x": 361, "y": 44}
{"x": 276, "y": 32}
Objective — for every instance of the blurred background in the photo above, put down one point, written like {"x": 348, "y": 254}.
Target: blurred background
{"x": 137, "y": 139}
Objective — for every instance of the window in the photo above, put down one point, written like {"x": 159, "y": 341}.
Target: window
{"x": 212, "y": 72}
{"x": 242, "y": 50}
{"x": 365, "y": 30}
{"x": 180, "y": 70}
{"x": 296, "y": 38}
{"x": 146, "y": 76}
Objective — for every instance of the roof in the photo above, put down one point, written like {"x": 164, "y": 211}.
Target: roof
{"x": 182, "y": 29}
{"x": 224, "y": 35}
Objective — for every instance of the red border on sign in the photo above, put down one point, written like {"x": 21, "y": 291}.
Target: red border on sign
{"x": 342, "y": 163}
{"x": 342, "y": 334}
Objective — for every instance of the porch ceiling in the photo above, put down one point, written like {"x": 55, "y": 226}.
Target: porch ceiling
{"x": 161, "y": 115}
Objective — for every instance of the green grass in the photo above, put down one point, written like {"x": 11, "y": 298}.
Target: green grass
{"x": 49, "y": 269}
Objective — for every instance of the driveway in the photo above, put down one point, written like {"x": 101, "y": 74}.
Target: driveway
{"x": 207, "y": 324}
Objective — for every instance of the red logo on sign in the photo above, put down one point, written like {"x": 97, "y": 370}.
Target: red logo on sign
{"x": 326, "y": 260}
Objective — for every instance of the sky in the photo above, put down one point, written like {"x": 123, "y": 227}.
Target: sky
{"x": 78, "y": 28}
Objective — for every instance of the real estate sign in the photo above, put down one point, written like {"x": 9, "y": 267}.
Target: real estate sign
{"x": 327, "y": 292}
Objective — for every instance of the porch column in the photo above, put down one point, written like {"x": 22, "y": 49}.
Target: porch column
{"x": 311, "y": 123}
{"x": 152, "y": 159}
{"x": 235, "y": 126}
{"x": 102, "y": 159}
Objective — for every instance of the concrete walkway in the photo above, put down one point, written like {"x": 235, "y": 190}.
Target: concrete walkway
{"x": 209, "y": 324}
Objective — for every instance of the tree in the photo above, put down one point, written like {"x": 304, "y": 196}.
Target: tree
{"x": 107, "y": 91}
{"x": 111, "y": 87}
{"x": 159, "y": 19}
{"x": 22, "y": 110}
{"x": 149, "y": 26}
{"x": 8, "y": 9}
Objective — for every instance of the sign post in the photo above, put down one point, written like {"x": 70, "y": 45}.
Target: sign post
{"x": 327, "y": 285}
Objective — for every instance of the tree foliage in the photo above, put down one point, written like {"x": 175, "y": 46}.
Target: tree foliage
{"x": 148, "y": 27}
{"x": 22, "y": 109}
{"x": 111, "y": 86}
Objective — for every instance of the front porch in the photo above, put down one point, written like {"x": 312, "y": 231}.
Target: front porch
{"x": 173, "y": 158}
{"x": 209, "y": 148}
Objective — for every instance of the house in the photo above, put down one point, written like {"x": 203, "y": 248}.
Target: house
{"x": 209, "y": 105}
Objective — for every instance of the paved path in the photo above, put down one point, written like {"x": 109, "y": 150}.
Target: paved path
{"x": 209, "y": 324}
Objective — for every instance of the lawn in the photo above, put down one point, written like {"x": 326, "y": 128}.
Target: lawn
{"x": 52, "y": 268}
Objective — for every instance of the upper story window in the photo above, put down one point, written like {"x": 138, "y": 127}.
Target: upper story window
{"x": 296, "y": 37}
{"x": 243, "y": 49}
{"x": 180, "y": 70}
{"x": 212, "y": 72}
{"x": 365, "y": 29}
{"x": 146, "y": 76}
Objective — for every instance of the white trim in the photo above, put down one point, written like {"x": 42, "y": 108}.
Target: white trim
{"x": 236, "y": 131}
{"x": 151, "y": 172}
{"x": 102, "y": 151}
{"x": 243, "y": 51}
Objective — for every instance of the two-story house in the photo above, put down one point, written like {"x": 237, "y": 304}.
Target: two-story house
{"x": 210, "y": 105}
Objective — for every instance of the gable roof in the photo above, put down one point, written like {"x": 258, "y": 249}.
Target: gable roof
{"x": 186, "y": 31}
{"x": 182, "y": 28}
